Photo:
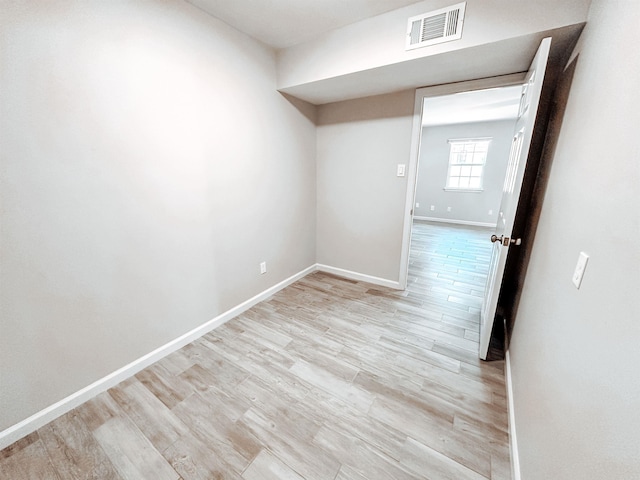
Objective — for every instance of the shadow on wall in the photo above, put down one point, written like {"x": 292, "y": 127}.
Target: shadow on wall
{"x": 368, "y": 109}
{"x": 307, "y": 109}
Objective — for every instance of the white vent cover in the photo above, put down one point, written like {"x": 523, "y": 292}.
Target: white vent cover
{"x": 434, "y": 27}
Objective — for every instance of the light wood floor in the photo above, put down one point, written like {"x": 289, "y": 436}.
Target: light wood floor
{"x": 328, "y": 379}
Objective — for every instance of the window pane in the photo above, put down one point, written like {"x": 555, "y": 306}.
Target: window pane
{"x": 474, "y": 182}
{"x": 466, "y": 163}
{"x": 479, "y": 157}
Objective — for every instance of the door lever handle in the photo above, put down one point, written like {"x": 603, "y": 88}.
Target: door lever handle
{"x": 505, "y": 241}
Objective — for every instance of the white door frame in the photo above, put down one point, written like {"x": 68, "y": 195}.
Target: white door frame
{"x": 421, "y": 94}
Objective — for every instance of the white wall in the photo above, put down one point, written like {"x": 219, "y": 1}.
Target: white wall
{"x": 360, "y": 199}
{"x": 575, "y": 354}
{"x": 147, "y": 166}
{"x": 433, "y": 167}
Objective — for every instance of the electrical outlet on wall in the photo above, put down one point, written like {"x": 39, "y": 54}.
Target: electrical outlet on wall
{"x": 490, "y": 212}
{"x": 448, "y": 209}
{"x": 433, "y": 207}
{"x": 417, "y": 205}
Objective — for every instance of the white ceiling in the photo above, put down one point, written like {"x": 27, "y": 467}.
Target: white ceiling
{"x": 475, "y": 106}
{"x": 282, "y": 23}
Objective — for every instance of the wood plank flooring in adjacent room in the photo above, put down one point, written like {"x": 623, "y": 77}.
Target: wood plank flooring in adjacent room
{"x": 329, "y": 379}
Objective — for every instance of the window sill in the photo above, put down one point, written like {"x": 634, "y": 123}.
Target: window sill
{"x": 464, "y": 190}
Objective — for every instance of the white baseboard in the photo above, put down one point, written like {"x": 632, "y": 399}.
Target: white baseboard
{"x": 513, "y": 440}
{"x": 41, "y": 418}
{"x": 360, "y": 277}
{"x": 458, "y": 222}
{"x": 50, "y": 413}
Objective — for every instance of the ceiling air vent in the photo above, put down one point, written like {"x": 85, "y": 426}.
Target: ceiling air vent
{"x": 434, "y": 27}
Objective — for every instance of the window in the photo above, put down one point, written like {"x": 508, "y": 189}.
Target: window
{"x": 467, "y": 158}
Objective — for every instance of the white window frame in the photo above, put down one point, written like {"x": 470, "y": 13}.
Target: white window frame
{"x": 458, "y": 167}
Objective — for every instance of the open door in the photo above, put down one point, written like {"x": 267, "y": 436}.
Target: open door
{"x": 521, "y": 143}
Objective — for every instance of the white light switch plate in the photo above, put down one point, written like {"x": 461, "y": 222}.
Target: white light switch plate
{"x": 401, "y": 168}
{"x": 579, "y": 271}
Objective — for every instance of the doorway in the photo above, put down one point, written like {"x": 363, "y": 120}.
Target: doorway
{"x": 526, "y": 128}
{"x": 461, "y": 145}
{"x": 448, "y": 102}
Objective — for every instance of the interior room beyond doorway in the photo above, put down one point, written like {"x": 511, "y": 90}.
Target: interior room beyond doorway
{"x": 455, "y": 183}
